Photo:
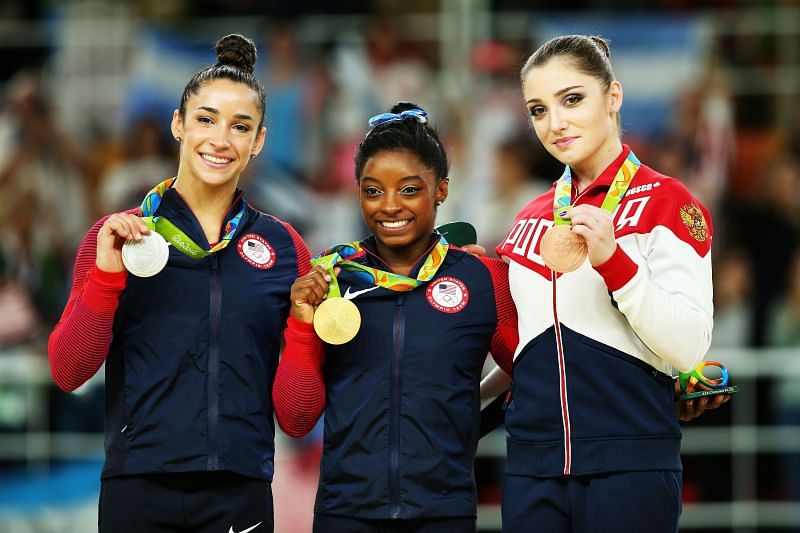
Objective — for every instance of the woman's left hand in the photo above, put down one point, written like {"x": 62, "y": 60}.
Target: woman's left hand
{"x": 689, "y": 409}
{"x": 596, "y": 226}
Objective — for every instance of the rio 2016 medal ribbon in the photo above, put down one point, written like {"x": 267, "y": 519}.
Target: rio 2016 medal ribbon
{"x": 147, "y": 257}
{"x": 562, "y": 249}
{"x": 337, "y": 320}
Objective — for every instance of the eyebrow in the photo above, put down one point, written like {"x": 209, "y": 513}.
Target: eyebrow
{"x": 215, "y": 111}
{"x": 559, "y": 93}
{"x": 405, "y": 178}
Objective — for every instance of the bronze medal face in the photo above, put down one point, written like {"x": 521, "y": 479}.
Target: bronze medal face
{"x": 337, "y": 320}
{"x": 562, "y": 249}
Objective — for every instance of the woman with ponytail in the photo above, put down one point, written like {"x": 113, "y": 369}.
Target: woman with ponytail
{"x": 184, "y": 298}
{"x": 610, "y": 272}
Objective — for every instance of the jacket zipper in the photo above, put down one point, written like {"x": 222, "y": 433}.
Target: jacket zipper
{"x": 213, "y": 365}
{"x": 394, "y": 430}
{"x": 562, "y": 385}
{"x": 562, "y": 368}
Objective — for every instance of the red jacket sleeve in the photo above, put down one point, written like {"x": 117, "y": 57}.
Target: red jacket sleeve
{"x": 298, "y": 393}
{"x": 303, "y": 253}
{"x": 506, "y": 336}
{"x": 80, "y": 341}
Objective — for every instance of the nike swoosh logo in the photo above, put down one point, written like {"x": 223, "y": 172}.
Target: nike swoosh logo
{"x": 251, "y": 528}
{"x": 350, "y": 295}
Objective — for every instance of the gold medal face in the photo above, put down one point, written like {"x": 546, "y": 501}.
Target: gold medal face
{"x": 337, "y": 320}
{"x": 562, "y": 249}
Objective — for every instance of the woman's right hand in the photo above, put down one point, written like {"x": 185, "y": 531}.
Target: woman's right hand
{"x": 117, "y": 229}
{"x": 308, "y": 292}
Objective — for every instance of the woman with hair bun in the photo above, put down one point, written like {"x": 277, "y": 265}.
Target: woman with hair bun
{"x": 401, "y": 393}
{"x": 610, "y": 272}
{"x": 184, "y": 299}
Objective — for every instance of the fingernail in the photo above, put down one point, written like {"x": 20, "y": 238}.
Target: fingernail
{"x": 327, "y": 277}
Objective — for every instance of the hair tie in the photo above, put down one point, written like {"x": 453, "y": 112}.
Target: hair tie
{"x": 418, "y": 114}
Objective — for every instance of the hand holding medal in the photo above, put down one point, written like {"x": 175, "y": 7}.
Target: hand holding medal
{"x": 564, "y": 247}
{"x": 594, "y": 227}
{"x": 116, "y": 230}
{"x": 148, "y": 256}
{"x": 336, "y": 320}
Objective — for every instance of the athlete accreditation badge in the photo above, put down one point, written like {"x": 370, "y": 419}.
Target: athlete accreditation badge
{"x": 563, "y": 250}
{"x": 147, "y": 257}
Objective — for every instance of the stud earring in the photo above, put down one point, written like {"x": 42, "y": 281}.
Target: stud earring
{"x": 177, "y": 138}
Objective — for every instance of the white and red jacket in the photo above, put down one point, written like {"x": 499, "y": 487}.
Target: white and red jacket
{"x": 592, "y": 389}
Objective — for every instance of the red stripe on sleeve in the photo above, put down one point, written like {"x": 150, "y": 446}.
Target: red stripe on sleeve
{"x": 298, "y": 393}
{"x": 303, "y": 253}
{"x": 506, "y": 336}
{"x": 79, "y": 343}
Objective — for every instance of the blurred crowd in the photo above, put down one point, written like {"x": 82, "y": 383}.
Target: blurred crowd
{"x": 57, "y": 177}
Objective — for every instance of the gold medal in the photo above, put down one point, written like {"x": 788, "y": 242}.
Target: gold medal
{"x": 562, "y": 249}
{"x": 337, "y": 320}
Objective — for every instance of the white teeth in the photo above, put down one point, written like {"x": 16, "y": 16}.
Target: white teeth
{"x": 397, "y": 224}
{"x": 218, "y": 160}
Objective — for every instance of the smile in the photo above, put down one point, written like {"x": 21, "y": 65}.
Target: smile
{"x": 394, "y": 224}
{"x": 215, "y": 160}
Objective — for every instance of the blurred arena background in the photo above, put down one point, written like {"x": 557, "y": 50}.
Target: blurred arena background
{"x": 712, "y": 87}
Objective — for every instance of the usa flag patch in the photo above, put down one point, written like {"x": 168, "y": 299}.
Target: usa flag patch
{"x": 448, "y": 295}
{"x": 255, "y": 249}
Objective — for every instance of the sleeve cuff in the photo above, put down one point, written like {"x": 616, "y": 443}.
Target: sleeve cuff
{"x": 618, "y": 270}
{"x": 102, "y": 289}
{"x": 298, "y": 326}
{"x": 111, "y": 280}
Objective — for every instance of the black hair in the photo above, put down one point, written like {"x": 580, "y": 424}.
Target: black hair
{"x": 409, "y": 134}
{"x": 236, "y": 56}
{"x": 591, "y": 55}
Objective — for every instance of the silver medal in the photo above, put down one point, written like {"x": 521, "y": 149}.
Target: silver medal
{"x": 147, "y": 257}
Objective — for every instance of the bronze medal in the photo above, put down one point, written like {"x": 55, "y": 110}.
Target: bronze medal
{"x": 337, "y": 320}
{"x": 562, "y": 249}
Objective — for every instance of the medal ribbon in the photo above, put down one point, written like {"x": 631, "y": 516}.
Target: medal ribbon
{"x": 623, "y": 178}
{"x": 171, "y": 233}
{"x": 334, "y": 256}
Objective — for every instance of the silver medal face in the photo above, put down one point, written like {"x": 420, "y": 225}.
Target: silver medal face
{"x": 147, "y": 257}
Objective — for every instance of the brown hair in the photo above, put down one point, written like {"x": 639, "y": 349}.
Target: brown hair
{"x": 590, "y": 54}
{"x": 236, "y": 56}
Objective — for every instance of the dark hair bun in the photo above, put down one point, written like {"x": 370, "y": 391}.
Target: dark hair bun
{"x": 399, "y": 107}
{"x": 238, "y": 51}
{"x": 602, "y": 44}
